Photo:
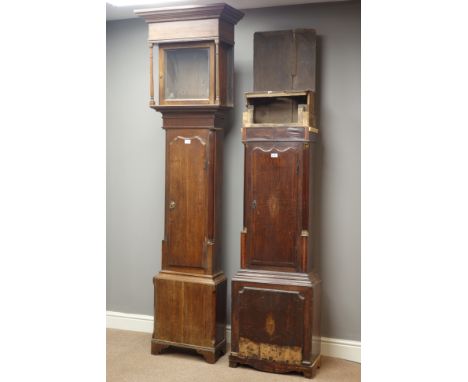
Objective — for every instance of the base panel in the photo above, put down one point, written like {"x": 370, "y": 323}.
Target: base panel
{"x": 308, "y": 371}
{"x": 210, "y": 354}
{"x": 190, "y": 312}
{"x": 276, "y": 321}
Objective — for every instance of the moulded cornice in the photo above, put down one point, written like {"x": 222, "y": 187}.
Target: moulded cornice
{"x": 214, "y": 11}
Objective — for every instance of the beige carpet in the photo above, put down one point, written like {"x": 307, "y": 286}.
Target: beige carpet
{"x": 129, "y": 360}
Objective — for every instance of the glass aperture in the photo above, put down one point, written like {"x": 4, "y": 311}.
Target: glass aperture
{"x": 187, "y": 73}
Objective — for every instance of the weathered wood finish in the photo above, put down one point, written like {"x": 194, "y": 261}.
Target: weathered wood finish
{"x": 194, "y": 143}
{"x": 178, "y": 26}
{"x": 293, "y": 69}
{"x": 190, "y": 291}
{"x": 276, "y": 321}
{"x": 279, "y": 109}
{"x": 189, "y": 313}
{"x": 278, "y": 185}
{"x": 277, "y": 287}
{"x": 276, "y": 295}
{"x": 272, "y": 225}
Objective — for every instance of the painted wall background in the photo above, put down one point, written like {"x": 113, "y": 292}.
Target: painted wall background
{"x": 135, "y": 161}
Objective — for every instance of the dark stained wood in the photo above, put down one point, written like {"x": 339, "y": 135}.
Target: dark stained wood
{"x": 272, "y": 187}
{"x": 188, "y": 197}
{"x": 277, "y": 256}
{"x": 276, "y": 295}
{"x": 222, "y": 75}
{"x": 190, "y": 291}
{"x": 193, "y": 189}
{"x": 264, "y": 308}
{"x": 306, "y": 48}
{"x": 273, "y": 73}
{"x": 293, "y": 69}
{"x": 275, "y": 321}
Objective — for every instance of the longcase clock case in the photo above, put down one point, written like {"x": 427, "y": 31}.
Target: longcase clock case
{"x": 276, "y": 294}
{"x": 195, "y": 59}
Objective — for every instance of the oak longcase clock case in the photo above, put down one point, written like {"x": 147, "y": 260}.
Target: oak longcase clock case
{"x": 195, "y": 69}
{"x": 276, "y": 294}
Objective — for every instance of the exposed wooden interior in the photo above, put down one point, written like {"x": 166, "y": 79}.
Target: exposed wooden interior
{"x": 278, "y": 109}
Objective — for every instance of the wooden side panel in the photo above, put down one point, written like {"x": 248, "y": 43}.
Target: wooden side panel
{"x": 186, "y": 312}
{"x": 293, "y": 69}
{"x": 221, "y": 297}
{"x": 273, "y": 71}
{"x": 275, "y": 326}
{"x": 316, "y": 330}
{"x": 273, "y": 200}
{"x": 187, "y": 192}
{"x": 270, "y": 324}
{"x": 276, "y": 110}
{"x": 226, "y": 32}
{"x": 262, "y": 313}
{"x": 198, "y": 314}
{"x": 305, "y": 41}
{"x": 168, "y": 295}
{"x": 314, "y": 204}
{"x": 218, "y": 138}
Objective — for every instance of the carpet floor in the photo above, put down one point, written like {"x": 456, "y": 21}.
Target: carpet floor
{"x": 129, "y": 360}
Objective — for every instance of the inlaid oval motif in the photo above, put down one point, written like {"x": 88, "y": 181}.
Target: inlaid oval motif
{"x": 270, "y": 324}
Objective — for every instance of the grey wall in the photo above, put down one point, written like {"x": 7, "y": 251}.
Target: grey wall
{"x": 135, "y": 161}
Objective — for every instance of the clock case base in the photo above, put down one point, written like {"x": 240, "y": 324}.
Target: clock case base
{"x": 275, "y": 367}
{"x": 276, "y": 321}
{"x": 211, "y": 355}
{"x": 190, "y": 312}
